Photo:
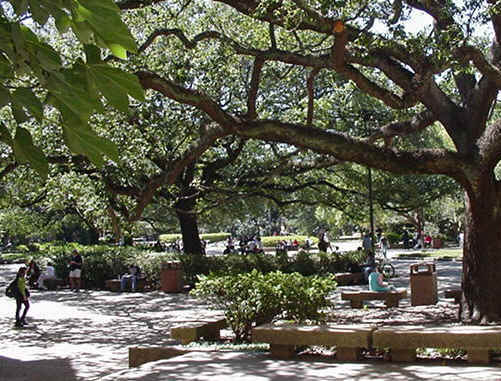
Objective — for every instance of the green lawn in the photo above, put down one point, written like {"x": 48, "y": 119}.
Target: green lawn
{"x": 448, "y": 253}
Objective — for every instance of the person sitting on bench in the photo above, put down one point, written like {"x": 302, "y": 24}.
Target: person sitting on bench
{"x": 133, "y": 275}
{"x": 376, "y": 281}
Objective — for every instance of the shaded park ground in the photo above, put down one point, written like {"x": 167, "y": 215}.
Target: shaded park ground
{"x": 86, "y": 336}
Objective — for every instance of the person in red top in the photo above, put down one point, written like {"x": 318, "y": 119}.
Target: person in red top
{"x": 427, "y": 240}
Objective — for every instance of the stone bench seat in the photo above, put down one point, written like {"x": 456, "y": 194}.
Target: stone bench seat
{"x": 114, "y": 284}
{"x": 357, "y": 298}
{"x": 194, "y": 331}
{"x": 403, "y": 341}
{"x": 454, "y": 293}
{"x": 284, "y": 338}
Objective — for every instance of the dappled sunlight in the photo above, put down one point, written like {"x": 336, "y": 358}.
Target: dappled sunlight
{"x": 87, "y": 335}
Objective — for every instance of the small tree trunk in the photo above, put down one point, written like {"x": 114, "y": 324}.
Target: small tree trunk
{"x": 482, "y": 258}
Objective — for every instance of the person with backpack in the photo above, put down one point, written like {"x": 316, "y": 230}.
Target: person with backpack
{"x": 19, "y": 291}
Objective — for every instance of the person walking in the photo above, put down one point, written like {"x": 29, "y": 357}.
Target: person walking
{"x": 22, "y": 295}
{"x": 384, "y": 245}
{"x": 75, "y": 271}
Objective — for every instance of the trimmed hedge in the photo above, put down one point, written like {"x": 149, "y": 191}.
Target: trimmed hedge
{"x": 209, "y": 237}
{"x": 272, "y": 241}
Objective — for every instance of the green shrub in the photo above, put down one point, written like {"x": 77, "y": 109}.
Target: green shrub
{"x": 393, "y": 237}
{"x": 329, "y": 263}
{"x": 209, "y": 237}
{"x": 169, "y": 238}
{"x": 254, "y": 298}
{"x": 102, "y": 262}
{"x": 303, "y": 263}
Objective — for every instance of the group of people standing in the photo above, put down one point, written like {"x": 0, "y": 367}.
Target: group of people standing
{"x": 31, "y": 275}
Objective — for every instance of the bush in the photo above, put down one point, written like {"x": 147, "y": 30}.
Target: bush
{"x": 393, "y": 237}
{"x": 102, "y": 262}
{"x": 169, "y": 238}
{"x": 254, "y": 298}
{"x": 209, "y": 237}
{"x": 215, "y": 237}
{"x": 272, "y": 241}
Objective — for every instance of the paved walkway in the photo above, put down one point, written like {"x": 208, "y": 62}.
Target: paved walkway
{"x": 86, "y": 336}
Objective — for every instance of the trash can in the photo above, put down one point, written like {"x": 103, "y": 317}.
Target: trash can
{"x": 423, "y": 284}
{"x": 171, "y": 277}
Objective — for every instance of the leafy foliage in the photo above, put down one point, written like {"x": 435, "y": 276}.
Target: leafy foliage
{"x": 255, "y": 298}
{"x": 34, "y": 75}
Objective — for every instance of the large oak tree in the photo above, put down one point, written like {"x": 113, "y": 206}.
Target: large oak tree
{"x": 446, "y": 74}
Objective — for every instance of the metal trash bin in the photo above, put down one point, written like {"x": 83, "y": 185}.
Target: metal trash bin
{"x": 423, "y": 284}
{"x": 171, "y": 277}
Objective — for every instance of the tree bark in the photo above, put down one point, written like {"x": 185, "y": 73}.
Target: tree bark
{"x": 482, "y": 257}
{"x": 185, "y": 211}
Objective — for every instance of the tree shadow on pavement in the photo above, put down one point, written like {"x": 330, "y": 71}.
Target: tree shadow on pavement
{"x": 36, "y": 370}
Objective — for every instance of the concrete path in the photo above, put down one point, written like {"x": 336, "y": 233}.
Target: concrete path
{"x": 86, "y": 336}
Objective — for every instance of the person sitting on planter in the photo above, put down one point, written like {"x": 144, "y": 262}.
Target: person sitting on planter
{"x": 132, "y": 275}
{"x": 376, "y": 282}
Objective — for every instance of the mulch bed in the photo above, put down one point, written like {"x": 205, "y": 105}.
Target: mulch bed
{"x": 437, "y": 314}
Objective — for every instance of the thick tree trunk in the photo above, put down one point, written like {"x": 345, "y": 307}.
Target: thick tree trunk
{"x": 482, "y": 258}
{"x": 189, "y": 227}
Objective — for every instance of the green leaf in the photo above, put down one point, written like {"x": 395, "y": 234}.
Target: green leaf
{"x": 4, "y": 96}
{"x": 92, "y": 54}
{"x": 82, "y": 140}
{"x": 26, "y": 152}
{"x": 19, "y": 114}
{"x": 63, "y": 23}
{"x": 40, "y": 15}
{"x": 125, "y": 83}
{"x": 83, "y": 32}
{"x": 69, "y": 88}
{"x": 25, "y": 97}
{"x": 47, "y": 56}
{"x": 105, "y": 20}
{"x": 5, "y": 135}
{"x": 118, "y": 51}
{"x": 5, "y": 67}
{"x": 20, "y": 6}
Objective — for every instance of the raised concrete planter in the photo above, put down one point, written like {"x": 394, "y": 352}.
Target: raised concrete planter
{"x": 114, "y": 284}
{"x": 284, "y": 338}
{"x": 478, "y": 341}
{"x": 194, "y": 331}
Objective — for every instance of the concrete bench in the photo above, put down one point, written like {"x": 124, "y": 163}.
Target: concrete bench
{"x": 345, "y": 279}
{"x": 478, "y": 341}
{"x": 455, "y": 293}
{"x": 357, "y": 298}
{"x": 114, "y": 284}
{"x": 284, "y": 338}
{"x": 193, "y": 331}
